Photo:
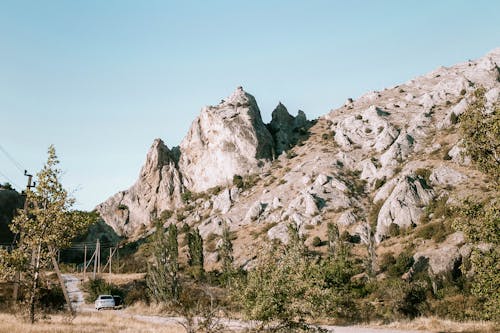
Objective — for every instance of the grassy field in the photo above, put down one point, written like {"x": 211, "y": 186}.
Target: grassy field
{"x": 83, "y": 323}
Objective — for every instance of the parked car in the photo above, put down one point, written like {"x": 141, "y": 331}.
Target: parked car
{"x": 118, "y": 302}
{"x": 104, "y": 302}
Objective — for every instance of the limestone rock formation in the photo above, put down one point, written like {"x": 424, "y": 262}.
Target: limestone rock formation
{"x": 365, "y": 152}
{"x": 403, "y": 206}
{"x": 223, "y": 141}
{"x": 158, "y": 188}
{"x": 285, "y": 128}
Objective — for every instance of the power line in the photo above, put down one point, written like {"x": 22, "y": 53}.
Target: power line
{"x": 9, "y": 156}
{"x": 9, "y": 180}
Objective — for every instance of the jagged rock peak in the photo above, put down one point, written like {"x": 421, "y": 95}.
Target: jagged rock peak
{"x": 238, "y": 98}
{"x": 285, "y": 128}
{"x": 157, "y": 156}
{"x": 281, "y": 115}
{"x": 158, "y": 188}
{"x": 225, "y": 140}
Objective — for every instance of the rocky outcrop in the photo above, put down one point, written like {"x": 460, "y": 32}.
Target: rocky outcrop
{"x": 158, "y": 188}
{"x": 443, "y": 259}
{"x": 404, "y": 206}
{"x": 339, "y": 166}
{"x": 286, "y": 129}
{"x": 223, "y": 141}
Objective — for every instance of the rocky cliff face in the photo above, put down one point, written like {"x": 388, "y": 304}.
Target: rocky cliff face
{"x": 158, "y": 188}
{"x": 384, "y": 159}
{"x": 225, "y": 140}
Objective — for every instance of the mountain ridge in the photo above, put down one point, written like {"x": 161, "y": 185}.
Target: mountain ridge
{"x": 379, "y": 160}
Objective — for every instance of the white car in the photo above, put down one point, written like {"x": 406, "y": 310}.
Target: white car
{"x": 104, "y": 302}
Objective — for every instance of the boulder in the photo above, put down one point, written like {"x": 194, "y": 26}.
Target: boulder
{"x": 444, "y": 175}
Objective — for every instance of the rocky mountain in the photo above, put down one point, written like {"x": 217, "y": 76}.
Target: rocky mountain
{"x": 379, "y": 162}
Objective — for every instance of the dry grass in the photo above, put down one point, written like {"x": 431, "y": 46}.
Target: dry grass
{"x": 442, "y": 325}
{"x": 84, "y": 323}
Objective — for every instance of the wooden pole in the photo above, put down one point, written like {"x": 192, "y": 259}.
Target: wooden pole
{"x": 98, "y": 257}
{"x": 17, "y": 276}
{"x": 95, "y": 259}
{"x": 61, "y": 281}
{"x": 110, "y": 257}
{"x": 84, "y": 262}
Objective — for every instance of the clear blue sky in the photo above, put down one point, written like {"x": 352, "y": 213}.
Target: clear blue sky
{"x": 101, "y": 79}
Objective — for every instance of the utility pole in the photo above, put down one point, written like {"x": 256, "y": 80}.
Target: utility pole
{"x": 98, "y": 257}
{"x": 84, "y": 261}
{"x": 17, "y": 276}
{"x": 95, "y": 260}
{"x": 110, "y": 257}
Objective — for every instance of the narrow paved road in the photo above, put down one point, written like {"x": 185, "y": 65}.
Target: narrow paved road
{"x": 76, "y": 295}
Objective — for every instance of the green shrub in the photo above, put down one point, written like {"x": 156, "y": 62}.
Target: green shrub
{"x": 425, "y": 174}
{"x": 316, "y": 242}
{"x": 387, "y": 260}
{"x": 453, "y": 118}
{"x": 211, "y": 242}
{"x": 52, "y": 298}
{"x": 480, "y": 132}
{"x": 185, "y": 228}
{"x": 238, "y": 181}
{"x": 138, "y": 292}
{"x": 394, "y": 230}
{"x": 98, "y": 286}
{"x": 186, "y": 196}
{"x": 403, "y": 263}
{"x": 122, "y": 207}
{"x": 380, "y": 182}
{"x": 291, "y": 154}
{"x": 166, "y": 214}
{"x": 437, "y": 231}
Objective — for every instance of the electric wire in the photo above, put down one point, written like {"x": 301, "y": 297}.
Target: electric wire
{"x": 8, "y": 179}
{"x": 9, "y": 156}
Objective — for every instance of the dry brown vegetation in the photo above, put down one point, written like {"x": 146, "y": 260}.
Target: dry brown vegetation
{"x": 442, "y": 325}
{"x": 107, "y": 322}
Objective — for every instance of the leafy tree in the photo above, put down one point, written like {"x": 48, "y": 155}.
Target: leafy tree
{"x": 333, "y": 238}
{"x": 481, "y": 134}
{"x": 196, "y": 258}
{"x": 162, "y": 278}
{"x": 289, "y": 285}
{"x": 480, "y": 223}
{"x": 225, "y": 251}
{"x": 46, "y": 225}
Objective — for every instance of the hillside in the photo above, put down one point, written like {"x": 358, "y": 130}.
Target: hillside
{"x": 389, "y": 161}
{"x": 10, "y": 201}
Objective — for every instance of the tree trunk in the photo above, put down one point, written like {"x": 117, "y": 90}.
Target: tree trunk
{"x": 34, "y": 289}
{"x": 61, "y": 281}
